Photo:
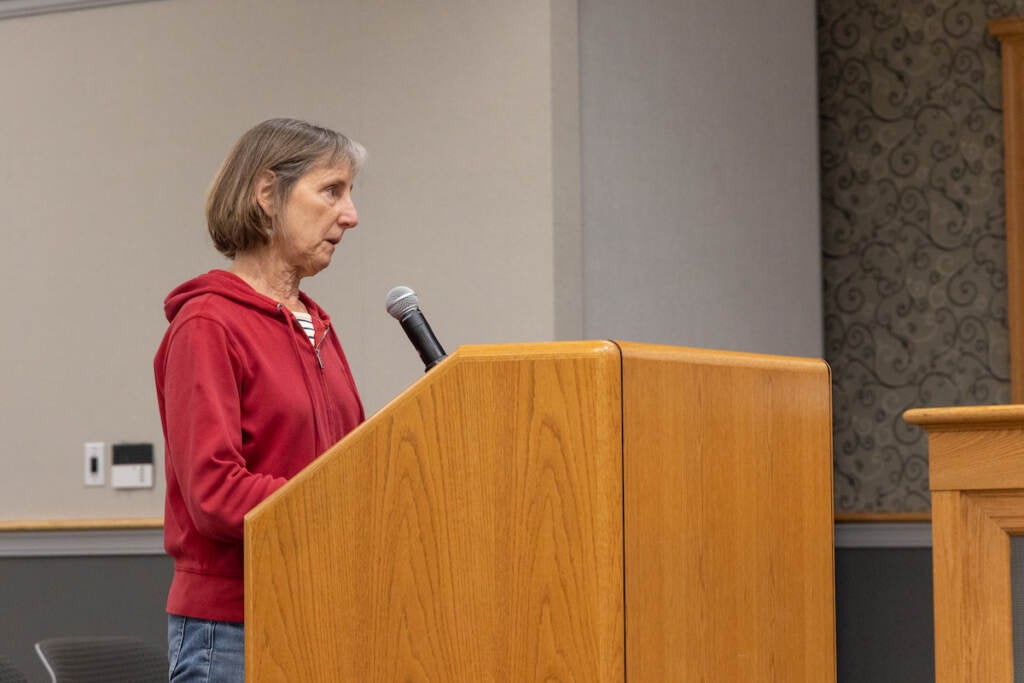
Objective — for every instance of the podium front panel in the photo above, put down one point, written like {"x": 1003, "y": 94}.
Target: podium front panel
{"x": 471, "y": 531}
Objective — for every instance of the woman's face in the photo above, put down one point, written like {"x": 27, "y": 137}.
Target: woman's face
{"x": 315, "y": 217}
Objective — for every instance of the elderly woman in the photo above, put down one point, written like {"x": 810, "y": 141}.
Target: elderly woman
{"x": 251, "y": 379}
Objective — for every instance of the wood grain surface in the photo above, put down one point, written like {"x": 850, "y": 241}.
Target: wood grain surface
{"x": 729, "y": 525}
{"x": 469, "y": 532}
{"x": 579, "y": 511}
{"x": 975, "y": 461}
{"x": 971, "y": 560}
{"x": 1011, "y": 37}
{"x": 883, "y": 517}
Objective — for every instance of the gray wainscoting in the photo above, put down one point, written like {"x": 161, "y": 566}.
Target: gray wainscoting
{"x": 46, "y": 596}
{"x": 884, "y": 622}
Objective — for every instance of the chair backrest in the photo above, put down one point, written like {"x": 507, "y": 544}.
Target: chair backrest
{"x": 10, "y": 673}
{"x": 102, "y": 659}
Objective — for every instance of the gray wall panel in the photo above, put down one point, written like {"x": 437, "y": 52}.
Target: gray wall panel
{"x": 68, "y": 596}
{"x": 700, "y": 174}
{"x": 884, "y": 623}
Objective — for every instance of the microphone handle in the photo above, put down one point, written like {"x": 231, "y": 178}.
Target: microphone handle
{"x": 422, "y": 337}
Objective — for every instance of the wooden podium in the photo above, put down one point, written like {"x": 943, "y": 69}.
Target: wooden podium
{"x": 578, "y": 511}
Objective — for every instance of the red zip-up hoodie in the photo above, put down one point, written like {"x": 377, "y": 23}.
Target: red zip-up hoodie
{"x": 246, "y": 402}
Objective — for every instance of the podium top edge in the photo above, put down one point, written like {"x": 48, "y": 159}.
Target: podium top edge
{"x": 637, "y": 351}
{"x": 718, "y": 357}
{"x": 572, "y": 348}
{"x": 537, "y": 349}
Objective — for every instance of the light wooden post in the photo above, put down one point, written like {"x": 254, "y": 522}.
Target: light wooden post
{"x": 579, "y": 511}
{"x": 976, "y": 473}
{"x": 1011, "y": 36}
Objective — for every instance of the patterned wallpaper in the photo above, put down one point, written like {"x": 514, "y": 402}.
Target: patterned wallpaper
{"x": 913, "y": 242}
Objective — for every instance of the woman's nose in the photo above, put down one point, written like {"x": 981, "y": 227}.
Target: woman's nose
{"x": 349, "y": 217}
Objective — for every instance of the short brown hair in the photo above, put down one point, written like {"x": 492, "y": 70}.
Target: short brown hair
{"x": 288, "y": 147}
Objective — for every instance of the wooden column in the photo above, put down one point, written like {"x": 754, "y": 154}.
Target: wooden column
{"x": 1011, "y": 35}
{"x": 976, "y": 473}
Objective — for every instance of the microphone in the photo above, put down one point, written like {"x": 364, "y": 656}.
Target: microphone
{"x": 404, "y": 307}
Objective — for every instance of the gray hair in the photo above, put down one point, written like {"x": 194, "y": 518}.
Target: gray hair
{"x": 287, "y": 147}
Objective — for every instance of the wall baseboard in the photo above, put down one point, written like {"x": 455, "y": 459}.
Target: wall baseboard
{"x": 82, "y": 543}
{"x": 151, "y": 541}
{"x": 888, "y": 535}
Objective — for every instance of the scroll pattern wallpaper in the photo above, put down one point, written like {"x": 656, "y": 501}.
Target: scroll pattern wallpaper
{"x": 914, "y": 249}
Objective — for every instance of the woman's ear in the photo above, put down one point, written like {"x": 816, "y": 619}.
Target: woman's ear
{"x": 265, "y": 190}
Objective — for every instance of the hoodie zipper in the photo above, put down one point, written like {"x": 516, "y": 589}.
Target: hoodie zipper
{"x": 316, "y": 350}
{"x": 323, "y": 381}
{"x": 324, "y": 391}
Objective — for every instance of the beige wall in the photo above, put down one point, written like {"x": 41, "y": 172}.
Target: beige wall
{"x": 691, "y": 133}
{"x": 115, "y": 119}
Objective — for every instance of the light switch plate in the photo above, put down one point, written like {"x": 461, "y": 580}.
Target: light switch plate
{"x": 94, "y": 463}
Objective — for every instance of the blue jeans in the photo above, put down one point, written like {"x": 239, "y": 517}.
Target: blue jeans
{"x": 202, "y": 651}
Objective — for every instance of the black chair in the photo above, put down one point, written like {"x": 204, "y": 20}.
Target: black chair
{"x": 10, "y": 673}
{"x": 102, "y": 660}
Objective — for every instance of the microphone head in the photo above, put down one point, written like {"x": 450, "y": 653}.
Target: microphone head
{"x": 401, "y": 302}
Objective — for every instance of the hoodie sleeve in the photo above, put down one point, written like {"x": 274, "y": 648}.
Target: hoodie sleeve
{"x": 202, "y": 376}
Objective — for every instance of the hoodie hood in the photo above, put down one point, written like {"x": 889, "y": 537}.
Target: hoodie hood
{"x": 230, "y": 286}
